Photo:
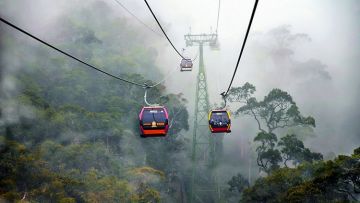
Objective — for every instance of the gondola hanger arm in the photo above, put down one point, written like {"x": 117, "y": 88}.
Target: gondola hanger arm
{"x": 146, "y": 87}
{"x": 223, "y": 95}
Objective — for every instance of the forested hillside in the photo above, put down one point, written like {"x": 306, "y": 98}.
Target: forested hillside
{"x": 70, "y": 134}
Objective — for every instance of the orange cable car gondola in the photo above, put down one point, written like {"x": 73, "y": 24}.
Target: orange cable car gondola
{"x": 154, "y": 121}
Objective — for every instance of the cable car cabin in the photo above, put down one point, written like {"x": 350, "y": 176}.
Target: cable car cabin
{"x": 219, "y": 121}
{"x": 186, "y": 65}
{"x": 154, "y": 121}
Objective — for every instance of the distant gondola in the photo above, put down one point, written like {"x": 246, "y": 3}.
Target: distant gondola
{"x": 186, "y": 64}
{"x": 219, "y": 121}
{"x": 154, "y": 121}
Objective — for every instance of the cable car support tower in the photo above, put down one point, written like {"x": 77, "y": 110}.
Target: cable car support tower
{"x": 205, "y": 146}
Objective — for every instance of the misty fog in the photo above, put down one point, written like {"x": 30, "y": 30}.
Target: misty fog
{"x": 311, "y": 49}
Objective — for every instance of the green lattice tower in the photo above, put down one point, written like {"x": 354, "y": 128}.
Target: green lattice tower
{"x": 204, "y": 184}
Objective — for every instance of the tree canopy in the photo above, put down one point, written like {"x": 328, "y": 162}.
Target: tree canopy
{"x": 276, "y": 110}
{"x": 325, "y": 181}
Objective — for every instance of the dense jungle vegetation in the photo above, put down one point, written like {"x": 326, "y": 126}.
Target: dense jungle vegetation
{"x": 74, "y": 134}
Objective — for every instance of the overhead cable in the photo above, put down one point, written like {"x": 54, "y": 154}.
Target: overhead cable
{"x": 73, "y": 57}
{"x": 218, "y": 16}
{"x": 138, "y": 19}
{"x": 163, "y": 29}
{"x": 224, "y": 94}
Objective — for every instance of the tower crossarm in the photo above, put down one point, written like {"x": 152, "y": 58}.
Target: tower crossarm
{"x": 200, "y": 38}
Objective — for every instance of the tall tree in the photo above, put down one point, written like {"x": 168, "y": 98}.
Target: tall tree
{"x": 277, "y": 110}
{"x": 268, "y": 157}
{"x": 293, "y": 149}
{"x": 238, "y": 183}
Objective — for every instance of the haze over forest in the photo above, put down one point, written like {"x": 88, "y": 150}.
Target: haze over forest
{"x": 77, "y": 129}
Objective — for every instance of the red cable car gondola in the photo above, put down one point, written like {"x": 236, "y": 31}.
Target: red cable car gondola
{"x": 154, "y": 121}
{"x": 219, "y": 121}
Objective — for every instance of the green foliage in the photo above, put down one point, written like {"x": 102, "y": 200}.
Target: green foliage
{"x": 25, "y": 175}
{"x": 291, "y": 148}
{"x": 81, "y": 157}
{"x": 99, "y": 188}
{"x": 145, "y": 194}
{"x": 294, "y": 149}
{"x": 330, "y": 181}
{"x": 238, "y": 183}
{"x": 276, "y": 110}
{"x": 268, "y": 140}
{"x": 271, "y": 188}
{"x": 241, "y": 94}
{"x": 268, "y": 157}
{"x": 147, "y": 170}
{"x": 357, "y": 151}
{"x": 79, "y": 137}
